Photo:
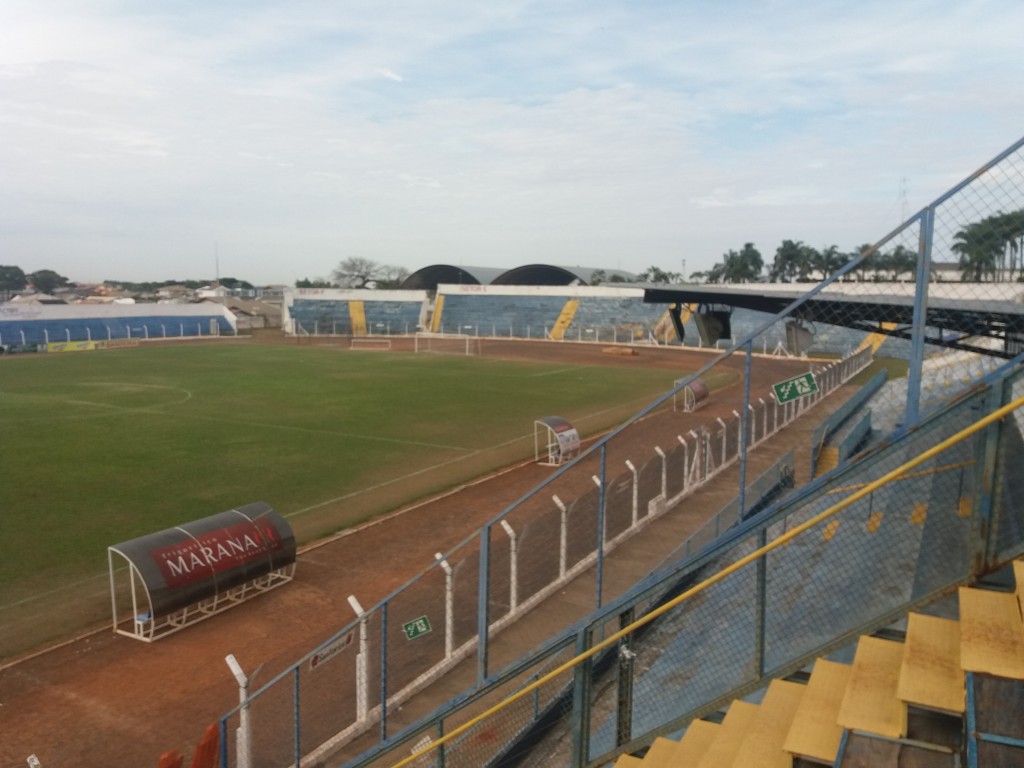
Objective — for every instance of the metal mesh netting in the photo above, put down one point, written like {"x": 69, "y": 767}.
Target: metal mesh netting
{"x": 539, "y": 545}
{"x": 941, "y": 294}
{"x": 901, "y": 544}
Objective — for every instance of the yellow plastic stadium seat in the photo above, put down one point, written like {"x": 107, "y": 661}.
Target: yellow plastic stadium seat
{"x": 870, "y": 702}
{"x": 931, "y": 676}
{"x": 815, "y": 733}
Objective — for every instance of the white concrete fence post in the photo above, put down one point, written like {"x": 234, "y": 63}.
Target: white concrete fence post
{"x": 664, "y": 471}
{"x": 449, "y": 604}
{"x": 636, "y": 493}
{"x": 562, "y": 536}
{"x": 686, "y": 462}
{"x": 243, "y": 736}
{"x": 513, "y": 575}
{"x": 362, "y": 665}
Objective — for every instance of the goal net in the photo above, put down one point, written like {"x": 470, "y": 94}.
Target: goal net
{"x": 448, "y": 344}
{"x": 370, "y": 342}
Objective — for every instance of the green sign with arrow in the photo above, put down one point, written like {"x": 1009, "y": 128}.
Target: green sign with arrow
{"x": 416, "y": 627}
{"x": 795, "y": 388}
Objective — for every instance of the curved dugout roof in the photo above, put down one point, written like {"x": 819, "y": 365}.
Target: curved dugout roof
{"x": 428, "y": 278}
{"x": 189, "y": 563}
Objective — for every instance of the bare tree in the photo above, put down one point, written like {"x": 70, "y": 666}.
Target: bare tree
{"x": 391, "y": 277}
{"x": 357, "y": 272}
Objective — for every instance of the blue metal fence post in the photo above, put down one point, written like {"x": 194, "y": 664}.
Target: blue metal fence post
{"x": 482, "y": 609}
{"x": 600, "y": 524}
{"x": 384, "y": 671}
{"x": 744, "y": 430}
{"x": 224, "y": 742}
{"x": 983, "y": 529}
{"x": 298, "y": 721}
{"x": 581, "y": 685}
{"x": 761, "y": 607}
{"x": 971, "y": 724}
{"x": 917, "y": 331}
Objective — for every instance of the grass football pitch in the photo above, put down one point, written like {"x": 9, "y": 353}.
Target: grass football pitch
{"x": 101, "y": 447}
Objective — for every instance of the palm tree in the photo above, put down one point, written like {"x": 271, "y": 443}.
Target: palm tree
{"x": 902, "y": 260}
{"x": 1009, "y": 228}
{"x": 793, "y": 260}
{"x": 827, "y": 261}
{"x": 980, "y": 249}
{"x": 863, "y": 267}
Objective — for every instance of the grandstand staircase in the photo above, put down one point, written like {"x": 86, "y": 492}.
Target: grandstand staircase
{"x": 664, "y": 331}
{"x": 877, "y": 339}
{"x": 435, "y": 315}
{"x": 357, "y": 312}
{"x": 941, "y": 693}
{"x": 564, "y": 319}
{"x": 828, "y": 459}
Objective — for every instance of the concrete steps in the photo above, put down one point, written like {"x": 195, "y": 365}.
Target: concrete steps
{"x": 564, "y": 319}
{"x": 898, "y": 701}
{"x": 828, "y": 459}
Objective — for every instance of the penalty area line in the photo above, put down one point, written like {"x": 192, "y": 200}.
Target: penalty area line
{"x": 407, "y": 476}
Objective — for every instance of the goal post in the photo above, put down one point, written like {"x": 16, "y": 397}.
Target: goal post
{"x": 693, "y": 396}
{"x": 370, "y": 342}
{"x": 447, "y": 344}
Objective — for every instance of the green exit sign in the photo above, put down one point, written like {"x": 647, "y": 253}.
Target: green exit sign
{"x": 795, "y": 388}
{"x": 416, "y": 627}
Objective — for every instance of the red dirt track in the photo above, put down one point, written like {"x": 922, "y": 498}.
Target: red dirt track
{"x": 107, "y": 700}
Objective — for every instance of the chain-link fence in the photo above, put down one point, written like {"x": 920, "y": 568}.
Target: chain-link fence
{"x": 434, "y": 624}
{"x": 883, "y": 536}
{"x": 897, "y": 298}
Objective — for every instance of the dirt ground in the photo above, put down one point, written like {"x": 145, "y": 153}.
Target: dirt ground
{"x": 108, "y": 700}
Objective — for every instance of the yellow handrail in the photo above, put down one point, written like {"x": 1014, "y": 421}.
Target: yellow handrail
{"x": 727, "y": 571}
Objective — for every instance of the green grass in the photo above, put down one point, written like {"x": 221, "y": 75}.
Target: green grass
{"x": 101, "y": 447}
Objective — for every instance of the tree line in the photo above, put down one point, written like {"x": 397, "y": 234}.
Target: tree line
{"x": 991, "y": 249}
{"x": 13, "y": 279}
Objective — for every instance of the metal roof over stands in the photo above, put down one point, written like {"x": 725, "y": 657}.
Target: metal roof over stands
{"x": 868, "y": 307}
{"x": 428, "y": 278}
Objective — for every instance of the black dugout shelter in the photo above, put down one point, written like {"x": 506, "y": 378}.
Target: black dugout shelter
{"x": 184, "y": 574}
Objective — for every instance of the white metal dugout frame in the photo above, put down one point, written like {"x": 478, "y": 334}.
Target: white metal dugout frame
{"x": 182, "y": 575}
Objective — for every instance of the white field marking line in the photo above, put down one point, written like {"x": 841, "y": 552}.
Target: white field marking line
{"x": 386, "y": 483}
{"x": 555, "y": 372}
{"x": 55, "y": 590}
{"x": 266, "y": 425}
{"x": 329, "y": 501}
{"x": 32, "y": 395}
{"x": 432, "y": 467}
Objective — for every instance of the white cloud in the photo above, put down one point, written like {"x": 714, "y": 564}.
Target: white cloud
{"x": 387, "y": 74}
{"x": 609, "y": 134}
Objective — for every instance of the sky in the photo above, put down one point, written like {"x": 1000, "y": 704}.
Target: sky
{"x": 268, "y": 141}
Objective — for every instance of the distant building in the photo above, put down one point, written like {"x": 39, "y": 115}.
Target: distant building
{"x": 214, "y": 291}
{"x": 36, "y": 298}
{"x": 173, "y": 293}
